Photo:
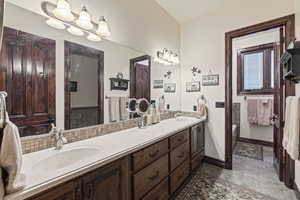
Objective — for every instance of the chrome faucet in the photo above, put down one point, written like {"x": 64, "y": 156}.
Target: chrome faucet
{"x": 178, "y": 114}
{"x": 59, "y": 137}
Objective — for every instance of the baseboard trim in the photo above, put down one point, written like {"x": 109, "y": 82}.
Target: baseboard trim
{"x": 214, "y": 161}
{"x": 254, "y": 141}
{"x": 297, "y": 192}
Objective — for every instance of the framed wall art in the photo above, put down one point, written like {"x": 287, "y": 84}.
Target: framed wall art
{"x": 210, "y": 80}
{"x": 158, "y": 84}
{"x": 193, "y": 86}
{"x": 170, "y": 87}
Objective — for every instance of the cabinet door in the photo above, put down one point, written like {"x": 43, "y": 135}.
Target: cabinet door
{"x": 68, "y": 191}
{"x": 110, "y": 182}
{"x": 197, "y": 139}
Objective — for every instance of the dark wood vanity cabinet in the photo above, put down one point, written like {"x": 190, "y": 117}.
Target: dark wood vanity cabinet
{"x": 153, "y": 173}
{"x": 197, "y": 144}
{"x": 68, "y": 191}
{"x": 109, "y": 182}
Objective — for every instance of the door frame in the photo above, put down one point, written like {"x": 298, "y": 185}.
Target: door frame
{"x": 132, "y": 74}
{"x": 288, "y": 22}
{"x": 73, "y": 48}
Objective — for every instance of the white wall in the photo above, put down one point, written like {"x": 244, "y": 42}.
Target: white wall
{"x": 157, "y": 73}
{"x": 141, "y": 24}
{"x": 116, "y": 56}
{"x": 247, "y": 130}
{"x": 203, "y": 44}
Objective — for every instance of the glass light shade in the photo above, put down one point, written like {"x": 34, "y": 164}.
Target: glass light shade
{"x": 84, "y": 20}
{"x": 75, "y": 31}
{"x": 55, "y": 23}
{"x": 94, "y": 37}
{"x": 103, "y": 28}
{"x": 63, "y": 11}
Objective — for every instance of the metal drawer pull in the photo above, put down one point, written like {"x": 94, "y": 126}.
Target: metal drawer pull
{"x": 153, "y": 154}
{"x": 152, "y": 178}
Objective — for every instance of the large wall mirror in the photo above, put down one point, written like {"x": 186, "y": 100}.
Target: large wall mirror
{"x": 52, "y": 76}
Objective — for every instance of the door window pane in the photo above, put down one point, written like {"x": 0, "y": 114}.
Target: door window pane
{"x": 253, "y": 71}
{"x": 272, "y": 68}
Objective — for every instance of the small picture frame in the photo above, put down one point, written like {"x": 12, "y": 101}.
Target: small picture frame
{"x": 210, "y": 80}
{"x": 170, "y": 87}
{"x": 158, "y": 84}
{"x": 193, "y": 86}
{"x": 73, "y": 86}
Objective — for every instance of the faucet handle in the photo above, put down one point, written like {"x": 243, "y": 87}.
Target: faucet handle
{"x": 61, "y": 135}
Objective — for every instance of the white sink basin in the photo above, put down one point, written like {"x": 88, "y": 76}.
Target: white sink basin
{"x": 64, "y": 158}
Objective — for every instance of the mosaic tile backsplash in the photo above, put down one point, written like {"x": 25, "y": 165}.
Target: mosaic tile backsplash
{"x": 37, "y": 143}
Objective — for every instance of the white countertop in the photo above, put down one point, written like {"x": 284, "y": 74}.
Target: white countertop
{"x": 111, "y": 147}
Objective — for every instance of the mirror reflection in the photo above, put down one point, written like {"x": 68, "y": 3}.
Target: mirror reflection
{"x": 56, "y": 77}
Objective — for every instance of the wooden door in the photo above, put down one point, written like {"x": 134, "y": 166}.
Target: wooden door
{"x": 140, "y": 78}
{"x": 278, "y": 109}
{"x": 28, "y": 76}
{"x": 68, "y": 191}
{"x": 110, "y": 182}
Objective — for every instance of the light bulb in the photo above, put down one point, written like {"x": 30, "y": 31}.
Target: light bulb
{"x": 94, "y": 37}
{"x": 84, "y": 20}
{"x": 63, "y": 11}
{"x": 103, "y": 28}
{"x": 75, "y": 31}
{"x": 55, "y": 23}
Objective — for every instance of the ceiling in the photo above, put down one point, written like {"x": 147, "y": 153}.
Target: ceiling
{"x": 185, "y": 10}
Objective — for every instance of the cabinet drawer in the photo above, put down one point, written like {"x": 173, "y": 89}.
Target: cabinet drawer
{"x": 146, "y": 156}
{"x": 179, "y": 139}
{"x": 150, "y": 176}
{"x": 179, "y": 155}
{"x": 179, "y": 175}
{"x": 197, "y": 160}
{"x": 160, "y": 192}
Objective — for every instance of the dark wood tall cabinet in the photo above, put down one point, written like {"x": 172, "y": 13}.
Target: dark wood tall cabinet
{"x": 27, "y": 74}
{"x": 197, "y": 144}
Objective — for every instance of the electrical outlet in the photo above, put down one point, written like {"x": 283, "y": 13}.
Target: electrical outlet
{"x": 195, "y": 108}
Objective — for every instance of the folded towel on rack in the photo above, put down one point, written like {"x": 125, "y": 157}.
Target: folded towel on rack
{"x": 11, "y": 158}
{"x": 202, "y": 110}
{"x": 114, "y": 108}
{"x": 252, "y": 111}
{"x": 124, "y": 114}
{"x": 291, "y": 135}
{"x": 264, "y": 112}
{"x": 2, "y": 110}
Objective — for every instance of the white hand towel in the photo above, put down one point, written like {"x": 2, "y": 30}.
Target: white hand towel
{"x": 252, "y": 111}
{"x": 292, "y": 127}
{"x": 11, "y": 158}
{"x": 202, "y": 110}
{"x": 124, "y": 114}
{"x": 114, "y": 109}
{"x": 264, "y": 112}
{"x": 286, "y": 132}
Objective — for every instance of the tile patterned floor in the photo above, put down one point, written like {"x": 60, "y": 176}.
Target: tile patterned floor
{"x": 250, "y": 179}
{"x": 254, "y": 151}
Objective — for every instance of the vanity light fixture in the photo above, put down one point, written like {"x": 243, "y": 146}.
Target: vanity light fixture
{"x": 75, "y": 31}
{"x": 60, "y": 16}
{"x": 94, "y": 38}
{"x": 103, "y": 27}
{"x": 84, "y": 20}
{"x": 167, "y": 57}
{"x": 55, "y": 23}
{"x": 63, "y": 11}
